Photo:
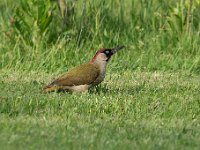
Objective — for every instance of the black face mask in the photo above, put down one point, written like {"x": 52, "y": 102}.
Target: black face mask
{"x": 108, "y": 53}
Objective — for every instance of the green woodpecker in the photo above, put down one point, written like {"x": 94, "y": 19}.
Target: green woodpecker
{"x": 81, "y": 78}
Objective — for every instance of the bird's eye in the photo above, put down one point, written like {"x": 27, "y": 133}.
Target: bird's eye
{"x": 107, "y": 52}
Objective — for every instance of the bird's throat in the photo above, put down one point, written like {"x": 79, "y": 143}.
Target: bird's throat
{"x": 102, "y": 67}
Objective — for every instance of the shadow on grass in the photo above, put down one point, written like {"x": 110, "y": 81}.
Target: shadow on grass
{"x": 128, "y": 90}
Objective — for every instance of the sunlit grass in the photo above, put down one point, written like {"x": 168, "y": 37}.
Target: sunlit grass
{"x": 129, "y": 110}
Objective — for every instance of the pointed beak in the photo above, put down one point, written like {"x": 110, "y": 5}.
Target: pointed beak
{"x": 114, "y": 50}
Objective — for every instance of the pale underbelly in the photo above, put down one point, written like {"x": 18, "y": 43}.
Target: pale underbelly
{"x": 76, "y": 88}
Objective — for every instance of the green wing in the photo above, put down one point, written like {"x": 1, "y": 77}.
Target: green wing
{"x": 81, "y": 75}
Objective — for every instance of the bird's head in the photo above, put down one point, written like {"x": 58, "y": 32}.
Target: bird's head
{"x": 104, "y": 54}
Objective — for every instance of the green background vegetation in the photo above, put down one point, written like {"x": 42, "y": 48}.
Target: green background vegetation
{"x": 151, "y": 95}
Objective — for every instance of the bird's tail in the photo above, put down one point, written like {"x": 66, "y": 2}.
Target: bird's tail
{"x": 51, "y": 88}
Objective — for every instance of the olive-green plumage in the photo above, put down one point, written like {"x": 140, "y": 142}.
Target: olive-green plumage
{"x": 82, "y": 75}
{"x": 79, "y": 75}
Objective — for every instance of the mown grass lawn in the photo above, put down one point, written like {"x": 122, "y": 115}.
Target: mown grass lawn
{"x": 150, "y": 98}
{"x": 130, "y": 110}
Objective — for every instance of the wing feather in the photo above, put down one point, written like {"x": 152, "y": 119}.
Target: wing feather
{"x": 84, "y": 74}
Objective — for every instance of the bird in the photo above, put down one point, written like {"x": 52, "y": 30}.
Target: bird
{"x": 82, "y": 77}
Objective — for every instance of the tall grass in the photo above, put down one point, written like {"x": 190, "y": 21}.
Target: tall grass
{"x": 155, "y": 32}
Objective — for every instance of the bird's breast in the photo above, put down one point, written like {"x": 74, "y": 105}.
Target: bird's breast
{"x": 100, "y": 78}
